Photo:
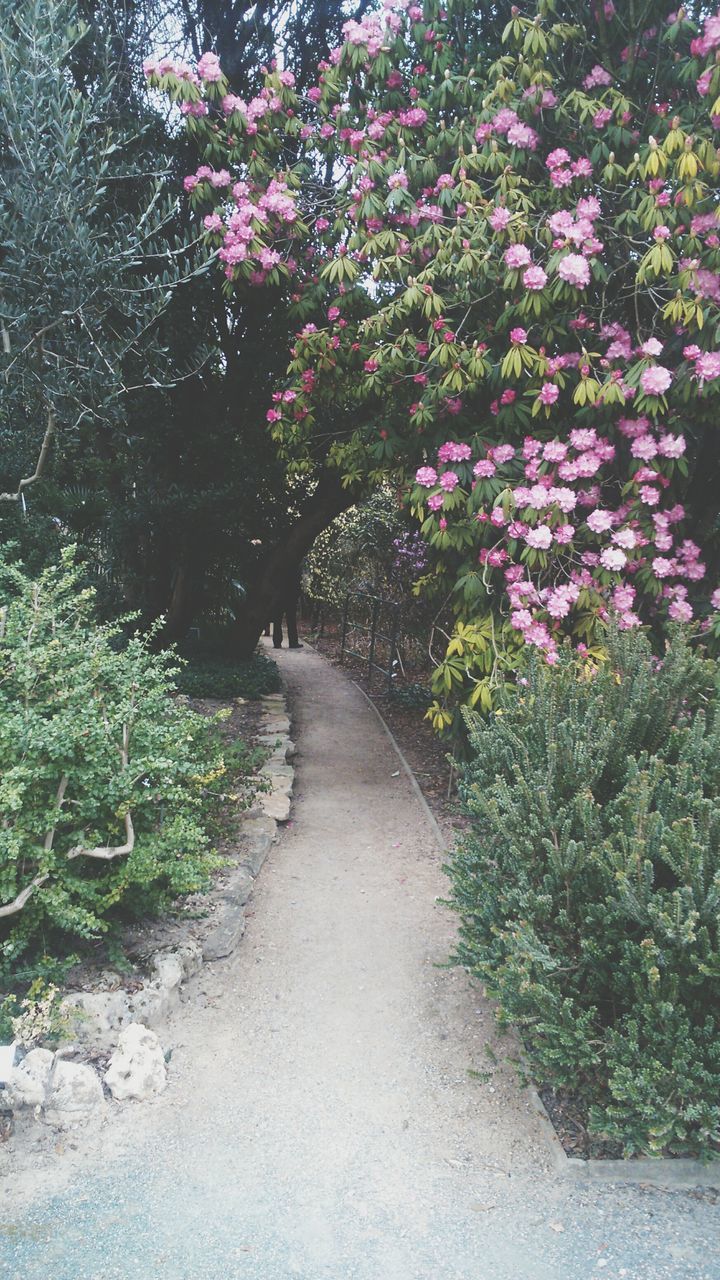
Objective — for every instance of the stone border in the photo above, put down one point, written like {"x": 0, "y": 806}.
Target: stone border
{"x": 46, "y": 1087}
{"x": 681, "y": 1173}
{"x": 258, "y": 831}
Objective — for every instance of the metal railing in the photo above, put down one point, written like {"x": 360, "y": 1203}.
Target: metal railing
{"x": 375, "y": 609}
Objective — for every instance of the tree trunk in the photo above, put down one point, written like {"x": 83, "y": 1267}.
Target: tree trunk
{"x": 183, "y": 605}
{"x": 267, "y": 598}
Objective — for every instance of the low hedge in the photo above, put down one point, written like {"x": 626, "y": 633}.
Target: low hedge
{"x": 106, "y": 779}
{"x": 588, "y": 886}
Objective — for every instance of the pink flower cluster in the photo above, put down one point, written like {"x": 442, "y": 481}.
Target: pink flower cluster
{"x": 557, "y": 504}
{"x": 254, "y": 218}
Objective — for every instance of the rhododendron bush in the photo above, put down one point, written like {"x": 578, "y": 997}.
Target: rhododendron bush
{"x": 506, "y": 278}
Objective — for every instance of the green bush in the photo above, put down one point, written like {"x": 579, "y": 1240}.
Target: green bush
{"x": 216, "y": 677}
{"x": 103, "y": 774}
{"x": 588, "y": 886}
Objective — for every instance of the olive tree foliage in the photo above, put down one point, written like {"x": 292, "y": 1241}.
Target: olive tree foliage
{"x": 89, "y": 257}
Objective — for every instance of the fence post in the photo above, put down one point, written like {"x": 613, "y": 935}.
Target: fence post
{"x": 373, "y": 629}
{"x": 393, "y": 647}
{"x": 344, "y": 627}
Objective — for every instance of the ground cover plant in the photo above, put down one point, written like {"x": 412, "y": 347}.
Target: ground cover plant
{"x": 213, "y": 676}
{"x": 106, "y": 778}
{"x": 588, "y": 885}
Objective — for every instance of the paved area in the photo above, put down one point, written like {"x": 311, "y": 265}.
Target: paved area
{"x": 341, "y": 1106}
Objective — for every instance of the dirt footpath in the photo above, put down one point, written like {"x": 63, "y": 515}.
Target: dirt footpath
{"x": 339, "y": 1105}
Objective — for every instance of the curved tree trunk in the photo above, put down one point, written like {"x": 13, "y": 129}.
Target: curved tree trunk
{"x": 267, "y": 598}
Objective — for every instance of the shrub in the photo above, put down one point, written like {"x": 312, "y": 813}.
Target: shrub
{"x": 588, "y": 886}
{"x": 102, "y": 773}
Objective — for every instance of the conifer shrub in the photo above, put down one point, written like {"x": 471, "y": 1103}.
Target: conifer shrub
{"x": 106, "y": 778}
{"x": 588, "y": 885}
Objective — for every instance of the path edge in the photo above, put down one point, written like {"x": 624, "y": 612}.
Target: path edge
{"x": 430, "y": 816}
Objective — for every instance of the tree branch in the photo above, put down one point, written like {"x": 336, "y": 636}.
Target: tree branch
{"x": 41, "y": 462}
{"x": 12, "y": 908}
{"x": 104, "y": 851}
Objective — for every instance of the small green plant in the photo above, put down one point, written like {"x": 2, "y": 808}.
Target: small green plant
{"x": 217, "y": 677}
{"x": 104, "y": 775}
{"x": 588, "y": 887}
{"x": 38, "y": 1017}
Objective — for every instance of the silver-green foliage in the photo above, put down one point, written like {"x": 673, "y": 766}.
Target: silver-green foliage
{"x": 588, "y": 886}
{"x": 88, "y": 260}
{"x": 102, "y": 771}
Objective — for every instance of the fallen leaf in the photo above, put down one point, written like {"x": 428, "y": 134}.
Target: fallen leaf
{"x": 556, "y": 1226}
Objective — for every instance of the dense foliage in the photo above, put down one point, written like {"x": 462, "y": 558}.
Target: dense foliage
{"x": 539, "y": 353}
{"x": 103, "y": 774}
{"x": 588, "y": 886}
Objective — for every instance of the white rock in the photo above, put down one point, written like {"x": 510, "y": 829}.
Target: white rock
{"x": 190, "y": 954}
{"x": 75, "y": 1095}
{"x": 28, "y": 1083}
{"x": 96, "y": 1016}
{"x": 137, "y": 1068}
{"x": 169, "y": 971}
{"x": 276, "y": 805}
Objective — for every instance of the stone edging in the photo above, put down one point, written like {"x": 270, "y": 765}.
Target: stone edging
{"x": 258, "y": 831}
{"x": 683, "y": 1172}
{"x": 47, "y": 1087}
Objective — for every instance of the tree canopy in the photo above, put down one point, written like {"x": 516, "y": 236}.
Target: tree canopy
{"x": 507, "y": 295}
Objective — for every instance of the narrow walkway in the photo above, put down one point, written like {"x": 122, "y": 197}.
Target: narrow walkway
{"x": 339, "y": 1105}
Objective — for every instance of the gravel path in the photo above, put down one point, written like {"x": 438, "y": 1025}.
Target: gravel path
{"x": 340, "y": 1106}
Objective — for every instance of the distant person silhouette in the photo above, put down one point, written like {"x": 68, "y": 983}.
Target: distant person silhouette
{"x": 289, "y": 612}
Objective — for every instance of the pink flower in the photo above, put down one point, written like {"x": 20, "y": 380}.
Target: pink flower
{"x": 452, "y": 452}
{"x": 557, "y": 158}
{"x": 484, "y": 468}
{"x": 555, "y": 451}
{"x": 564, "y": 534}
{"x": 662, "y": 568}
{"x": 521, "y": 619}
{"x": 574, "y": 269}
{"x": 517, "y": 255}
{"x": 715, "y": 598}
{"x": 613, "y": 558}
{"x": 645, "y": 447}
{"x": 564, "y": 498}
{"x": 540, "y": 538}
{"x": 499, "y": 218}
{"x": 652, "y": 347}
{"x": 449, "y": 480}
{"x": 521, "y": 135}
{"x": 649, "y": 495}
{"x": 707, "y": 366}
{"x": 672, "y": 446}
{"x": 655, "y": 380}
{"x": 208, "y": 68}
{"x": 426, "y": 476}
{"x": 680, "y": 611}
{"x": 548, "y": 393}
{"x": 501, "y": 453}
{"x": 534, "y": 278}
{"x": 435, "y": 501}
{"x": 413, "y": 118}
{"x": 599, "y": 521}
{"x": 518, "y": 335}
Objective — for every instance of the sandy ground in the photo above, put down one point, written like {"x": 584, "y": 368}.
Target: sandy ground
{"x": 340, "y": 1104}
